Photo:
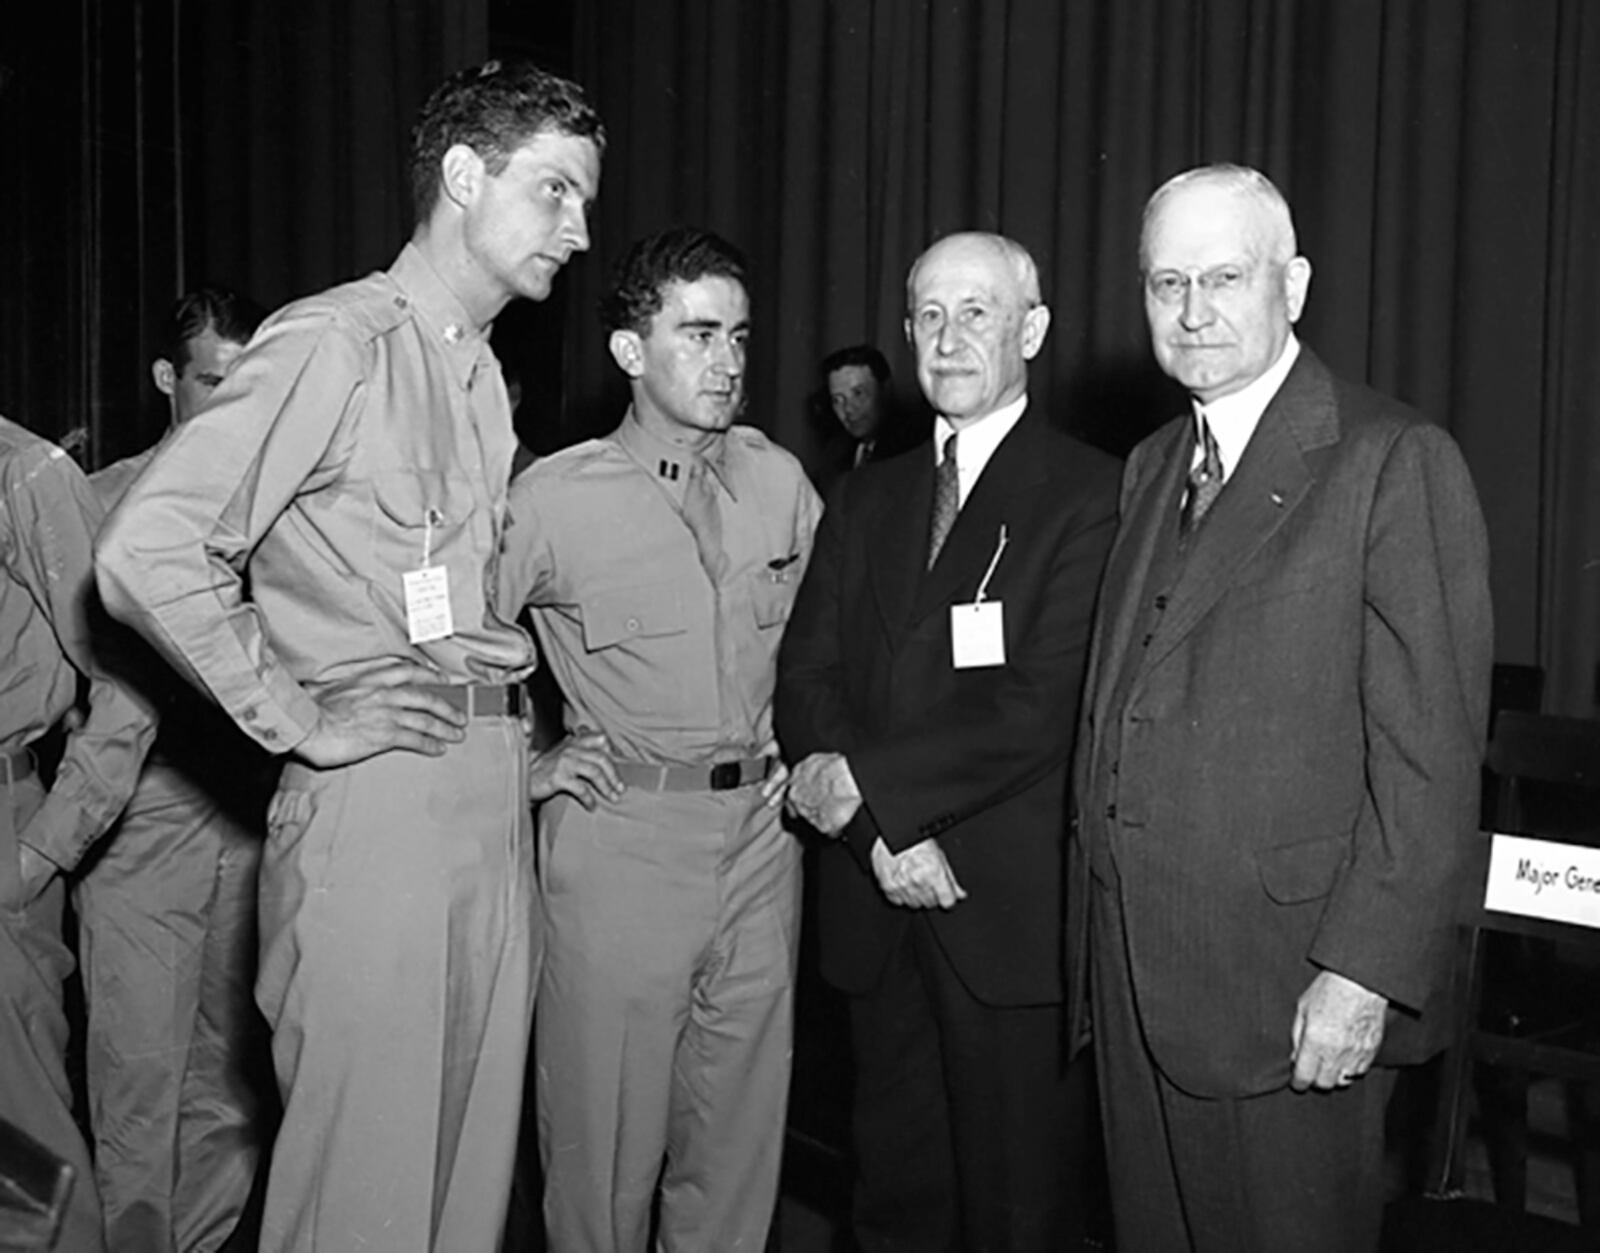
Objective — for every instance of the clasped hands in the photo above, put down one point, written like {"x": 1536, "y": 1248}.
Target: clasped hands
{"x": 823, "y": 791}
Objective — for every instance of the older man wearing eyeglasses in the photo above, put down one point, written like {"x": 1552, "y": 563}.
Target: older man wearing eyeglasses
{"x": 1277, "y": 768}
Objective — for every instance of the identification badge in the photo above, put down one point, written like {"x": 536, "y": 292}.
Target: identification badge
{"x": 978, "y": 629}
{"x": 977, "y": 635}
{"x": 428, "y": 604}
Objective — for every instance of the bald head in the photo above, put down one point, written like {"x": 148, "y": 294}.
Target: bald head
{"x": 1257, "y": 195}
{"x": 975, "y": 319}
{"x": 1223, "y": 285}
{"x": 1007, "y": 252}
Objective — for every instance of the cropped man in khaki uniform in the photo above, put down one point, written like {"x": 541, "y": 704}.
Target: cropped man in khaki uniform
{"x": 660, "y": 563}
{"x": 355, "y": 459}
{"x": 167, "y": 912}
{"x": 48, "y": 517}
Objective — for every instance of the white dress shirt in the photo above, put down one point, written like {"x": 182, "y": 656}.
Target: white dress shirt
{"x": 1233, "y": 418}
{"x": 977, "y": 443}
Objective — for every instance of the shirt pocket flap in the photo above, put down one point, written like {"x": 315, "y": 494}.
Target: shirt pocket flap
{"x": 631, "y": 612}
{"x": 423, "y": 498}
{"x": 1303, "y": 871}
{"x": 773, "y": 600}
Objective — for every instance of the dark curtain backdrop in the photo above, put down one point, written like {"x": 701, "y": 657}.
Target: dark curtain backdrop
{"x": 1443, "y": 161}
{"x": 159, "y": 144}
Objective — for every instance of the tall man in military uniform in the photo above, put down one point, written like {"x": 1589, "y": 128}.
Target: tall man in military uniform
{"x": 355, "y": 462}
{"x": 48, "y": 517}
{"x": 167, "y": 910}
{"x": 660, "y": 563}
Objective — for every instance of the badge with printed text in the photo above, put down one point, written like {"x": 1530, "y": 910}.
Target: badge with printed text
{"x": 428, "y": 604}
{"x": 978, "y": 629}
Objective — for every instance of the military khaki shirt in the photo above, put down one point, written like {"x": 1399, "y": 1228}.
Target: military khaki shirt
{"x": 48, "y": 517}
{"x": 364, "y": 433}
{"x": 629, "y": 620}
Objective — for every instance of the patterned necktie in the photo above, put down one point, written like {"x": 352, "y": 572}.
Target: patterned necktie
{"x": 1205, "y": 482}
{"x": 946, "y": 500}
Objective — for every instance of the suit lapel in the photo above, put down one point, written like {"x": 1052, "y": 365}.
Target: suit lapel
{"x": 1013, "y": 470}
{"x": 897, "y": 548}
{"x": 1268, "y": 485}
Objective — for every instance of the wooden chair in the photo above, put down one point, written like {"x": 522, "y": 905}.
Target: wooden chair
{"x": 34, "y": 1186}
{"x": 1528, "y": 989}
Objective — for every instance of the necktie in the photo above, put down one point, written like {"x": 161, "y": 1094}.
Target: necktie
{"x": 704, "y": 520}
{"x": 1205, "y": 482}
{"x": 946, "y": 500}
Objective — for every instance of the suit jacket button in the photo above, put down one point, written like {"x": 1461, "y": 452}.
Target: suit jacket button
{"x": 1111, "y": 813}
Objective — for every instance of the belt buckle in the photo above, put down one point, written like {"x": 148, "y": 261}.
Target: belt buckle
{"x": 726, "y": 775}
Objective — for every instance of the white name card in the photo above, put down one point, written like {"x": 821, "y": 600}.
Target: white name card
{"x": 1544, "y": 879}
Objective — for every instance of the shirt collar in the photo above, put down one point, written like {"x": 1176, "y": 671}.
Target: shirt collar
{"x": 668, "y": 463}
{"x": 436, "y": 306}
{"x": 978, "y": 439}
{"x": 1233, "y": 418}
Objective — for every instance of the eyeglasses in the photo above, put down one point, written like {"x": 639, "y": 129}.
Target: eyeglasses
{"x": 1169, "y": 287}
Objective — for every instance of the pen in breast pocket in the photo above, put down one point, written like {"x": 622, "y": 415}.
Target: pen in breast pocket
{"x": 1000, "y": 547}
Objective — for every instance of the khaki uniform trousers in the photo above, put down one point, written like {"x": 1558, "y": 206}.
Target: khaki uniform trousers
{"x": 167, "y": 944}
{"x": 398, "y": 933}
{"x": 665, "y": 1019}
{"x": 34, "y": 963}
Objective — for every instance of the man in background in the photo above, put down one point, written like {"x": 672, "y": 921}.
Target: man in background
{"x": 858, "y": 393}
{"x": 353, "y": 464}
{"x": 870, "y": 426}
{"x": 167, "y": 911}
{"x": 1278, "y": 767}
{"x": 48, "y": 517}
{"x": 934, "y": 654}
{"x": 205, "y": 330}
{"x": 660, "y": 564}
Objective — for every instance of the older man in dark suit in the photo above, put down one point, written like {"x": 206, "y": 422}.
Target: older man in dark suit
{"x": 1277, "y": 770}
{"x": 927, "y": 677}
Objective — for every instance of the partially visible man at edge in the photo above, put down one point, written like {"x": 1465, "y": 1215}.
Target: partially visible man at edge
{"x": 356, "y": 460}
{"x": 48, "y": 517}
{"x": 167, "y": 909}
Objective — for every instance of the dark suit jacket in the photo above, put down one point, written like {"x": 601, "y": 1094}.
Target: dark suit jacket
{"x": 978, "y": 758}
{"x": 900, "y": 432}
{"x": 1282, "y": 730}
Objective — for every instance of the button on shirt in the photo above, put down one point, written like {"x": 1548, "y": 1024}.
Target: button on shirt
{"x": 47, "y": 520}
{"x": 363, "y": 433}
{"x": 626, "y": 613}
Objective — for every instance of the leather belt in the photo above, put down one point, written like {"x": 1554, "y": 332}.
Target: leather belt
{"x": 483, "y": 700}
{"x": 724, "y": 776}
{"x": 16, "y": 765}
